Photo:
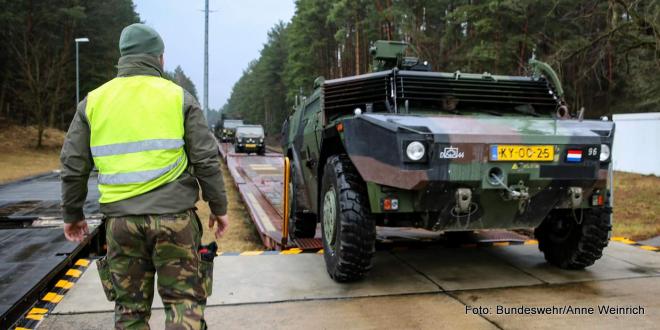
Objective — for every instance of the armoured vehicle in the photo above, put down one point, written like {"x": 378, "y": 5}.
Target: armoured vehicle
{"x": 250, "y": 138}
{"x": 404, "y": 146}
{"x": 226, "y": 129}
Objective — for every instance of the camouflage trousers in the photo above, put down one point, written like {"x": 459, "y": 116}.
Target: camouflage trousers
{"x": 139, "y": 247}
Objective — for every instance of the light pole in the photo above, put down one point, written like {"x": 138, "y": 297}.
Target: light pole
{"x": 206, "y": 59}
{"x": 205, "y": 103}
{"x": 78, "y": 40}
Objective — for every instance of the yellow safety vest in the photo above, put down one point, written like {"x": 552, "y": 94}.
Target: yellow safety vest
{"x": 137, "y": 128}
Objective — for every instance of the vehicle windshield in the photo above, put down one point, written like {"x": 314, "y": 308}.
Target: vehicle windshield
{"x": 232, "y": 123}
{"x": 250, "y": 130}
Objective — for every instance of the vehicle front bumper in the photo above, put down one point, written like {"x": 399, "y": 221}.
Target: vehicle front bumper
{"x": 249, "y": 146}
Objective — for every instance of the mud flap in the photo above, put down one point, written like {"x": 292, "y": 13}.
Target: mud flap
{"x": 106, "y": 281}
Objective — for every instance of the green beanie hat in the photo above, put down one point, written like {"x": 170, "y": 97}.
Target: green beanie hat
{"x": 140, "y": 39}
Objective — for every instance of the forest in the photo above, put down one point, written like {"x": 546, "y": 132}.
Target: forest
{"x": 37, "y": 60}
{"x": 607, "y": 52}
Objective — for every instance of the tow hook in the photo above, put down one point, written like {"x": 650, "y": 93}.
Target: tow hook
{"x": 575, "y": 197}
{"x": 515, "y": 192}
{"x": 463, "y": 200}
{"x": 518, "y": 192}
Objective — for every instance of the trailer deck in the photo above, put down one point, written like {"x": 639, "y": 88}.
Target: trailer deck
{"x": 259, "y": 180}
{"x": 33, "y": 250}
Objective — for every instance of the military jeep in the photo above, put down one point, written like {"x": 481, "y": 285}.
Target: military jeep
{"x": 407, "y": 147}
{"x": 226, "y": 129}
{"x": 250, "y": 139}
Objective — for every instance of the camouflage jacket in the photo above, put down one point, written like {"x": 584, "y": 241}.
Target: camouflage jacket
{"x": 176, "y": 196}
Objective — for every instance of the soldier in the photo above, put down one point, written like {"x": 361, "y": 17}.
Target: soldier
{"x": 149, "y": 141}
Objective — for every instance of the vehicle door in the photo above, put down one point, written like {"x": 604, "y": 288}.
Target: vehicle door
{"x": 309, "y": 151}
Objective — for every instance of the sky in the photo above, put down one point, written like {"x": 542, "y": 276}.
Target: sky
{"x": 237, "y": 32}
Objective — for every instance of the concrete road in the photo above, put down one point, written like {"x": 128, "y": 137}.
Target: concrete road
{"x": 432, "y": 288}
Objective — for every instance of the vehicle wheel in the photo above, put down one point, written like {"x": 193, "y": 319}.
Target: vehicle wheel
{"x": 349, "y": 230}
{"x": 261, "y": 152}
{"x": 570, "y": 245}
{"x": 301, "y": 225}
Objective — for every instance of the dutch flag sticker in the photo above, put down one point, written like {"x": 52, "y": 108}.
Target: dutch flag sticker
{"x": 574, "y": 156}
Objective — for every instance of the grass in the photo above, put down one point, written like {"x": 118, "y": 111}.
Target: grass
{"x": 636, "y": 206}
{"x": 19, "y": 158}
{"x": 636, "y": 211}
{"x": 241, "y": 235}
{"x": 17, "y": 164}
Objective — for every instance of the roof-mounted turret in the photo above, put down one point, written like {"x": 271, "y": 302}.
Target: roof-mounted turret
{"x": 389, "y": 54}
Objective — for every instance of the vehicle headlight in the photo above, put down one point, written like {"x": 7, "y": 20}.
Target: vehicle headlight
{"x": 415, "y": 150}
{"x": 604, "y": 152}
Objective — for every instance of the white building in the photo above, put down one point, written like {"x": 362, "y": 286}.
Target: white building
{"x": 637, "y": 143}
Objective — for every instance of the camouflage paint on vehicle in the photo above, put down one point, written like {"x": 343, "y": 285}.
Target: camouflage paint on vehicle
{"x": 429, "y": 187}
{"x": 459, "y": 118}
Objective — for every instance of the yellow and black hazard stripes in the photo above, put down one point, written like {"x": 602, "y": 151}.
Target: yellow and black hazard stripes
{"x": 633, "y": 243}
{"x": 50, "y": 299}
{"x": 500, "y": 243}
{"x": 265, "y": 253}
{"x": 295, "y": 250}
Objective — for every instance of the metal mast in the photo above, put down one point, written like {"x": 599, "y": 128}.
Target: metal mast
{"x": 206, "y": 59}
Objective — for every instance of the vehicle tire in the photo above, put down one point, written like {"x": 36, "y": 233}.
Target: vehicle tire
{"x": 301, "y": 225}
{"x": 261, "y": 152}
{"x": 349, "y": 230}
{"x": 569, "y": 245}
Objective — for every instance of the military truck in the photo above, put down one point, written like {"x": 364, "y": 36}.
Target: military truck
{"x": 250, "y": 139}
{"x": 226, "y": 129}
{"x": 405, "y": 146}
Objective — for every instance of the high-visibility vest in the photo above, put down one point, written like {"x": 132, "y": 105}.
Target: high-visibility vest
{"x": 136, "y": 140}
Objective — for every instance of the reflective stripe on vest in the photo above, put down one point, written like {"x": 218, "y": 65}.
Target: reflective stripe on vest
{"x": 129, "y": 147}
{"x": 136, "y": 140}
{"x": 136, "y": 177}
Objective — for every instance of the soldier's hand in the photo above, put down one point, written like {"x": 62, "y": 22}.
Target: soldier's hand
{"x": 222, "y": 221}
{"x": 75, "y": 232}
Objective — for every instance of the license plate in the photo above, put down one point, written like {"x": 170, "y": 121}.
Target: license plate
{"x": 522, "y": 153}
{"x": 250, "y": 145}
